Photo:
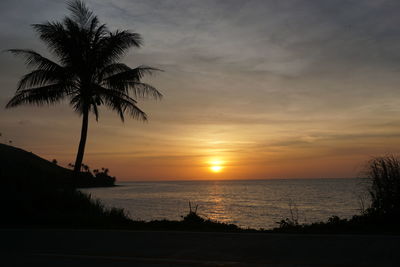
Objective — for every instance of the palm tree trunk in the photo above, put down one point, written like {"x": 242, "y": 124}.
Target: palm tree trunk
{"x": 82, "y": 143}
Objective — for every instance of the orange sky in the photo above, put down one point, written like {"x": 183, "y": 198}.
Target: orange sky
{"x": 272, "y": 91}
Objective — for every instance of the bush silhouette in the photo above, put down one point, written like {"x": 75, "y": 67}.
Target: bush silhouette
{"x": 384, "y": 188}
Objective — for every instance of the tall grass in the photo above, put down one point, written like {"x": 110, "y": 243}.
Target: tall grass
{"x": 384, "y": 177}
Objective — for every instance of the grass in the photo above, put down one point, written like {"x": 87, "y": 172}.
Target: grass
{"x": 384, "y": 189}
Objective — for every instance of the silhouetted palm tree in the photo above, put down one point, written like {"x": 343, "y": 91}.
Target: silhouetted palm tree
{"x": 88, "y": 73}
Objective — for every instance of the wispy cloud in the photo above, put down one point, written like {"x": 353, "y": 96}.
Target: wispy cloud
{"x": 279, "y": 77}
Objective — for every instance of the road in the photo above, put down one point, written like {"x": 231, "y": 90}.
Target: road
{"x": 27, "y": 247}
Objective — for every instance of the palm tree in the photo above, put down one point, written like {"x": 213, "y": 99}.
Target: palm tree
{"x": 87, "y": 71}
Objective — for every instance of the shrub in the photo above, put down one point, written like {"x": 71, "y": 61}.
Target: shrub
{"x": 384, "y": 188}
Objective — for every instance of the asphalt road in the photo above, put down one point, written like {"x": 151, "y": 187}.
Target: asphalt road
{"x": 159, "y": 249}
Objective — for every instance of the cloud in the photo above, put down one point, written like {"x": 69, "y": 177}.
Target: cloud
{"x": 297, "y": 73}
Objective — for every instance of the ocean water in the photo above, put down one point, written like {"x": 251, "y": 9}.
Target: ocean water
{"x": 256, "y": 203}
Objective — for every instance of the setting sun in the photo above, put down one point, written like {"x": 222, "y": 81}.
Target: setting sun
{"x": 216, "y": 168}
{"x": 216, "y": 165}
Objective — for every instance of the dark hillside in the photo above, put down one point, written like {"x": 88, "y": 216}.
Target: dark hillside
{"x": 36, "y": 192}
{"x": 20, "y": 166}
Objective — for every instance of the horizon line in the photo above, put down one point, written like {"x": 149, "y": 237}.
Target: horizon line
{"x": 223, "y": 180}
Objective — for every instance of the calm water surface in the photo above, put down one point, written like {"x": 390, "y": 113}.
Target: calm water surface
{"x": 255, "y": 204}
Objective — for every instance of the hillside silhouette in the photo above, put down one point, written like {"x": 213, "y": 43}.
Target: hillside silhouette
{"x": 18, "y": 164}
{"x": 23, "y": 167}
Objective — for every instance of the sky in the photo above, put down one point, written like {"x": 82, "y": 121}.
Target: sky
{"x": 260, "y": 89}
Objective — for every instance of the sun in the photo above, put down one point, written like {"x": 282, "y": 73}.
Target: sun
{"x": 216, "y": 166}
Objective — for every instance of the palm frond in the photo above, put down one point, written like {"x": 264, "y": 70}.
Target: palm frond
{"x": 82, "y": 14}
{"x": 144, "y": 90}
{"x": 121, "y": 103}
{"x": 115, "y": 45}
{"x": 44, "y": 95}
{"x": 77, "y": 102}
{"x": 35, "y": 60}
{"x": 110, "y": 70}
{"x": 39, "y": 78}
{"x": 94, "y": 22}
{"x": 135, "y": 74}
{"x": 129, "y": 80}
{"x": 99, "y": 33}
{"x": 55, "y": 36}
{"x": 94, "y": 109}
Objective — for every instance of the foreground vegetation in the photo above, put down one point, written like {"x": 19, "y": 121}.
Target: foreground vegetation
{"x": 383, "y": 215}
{"x": 50, "y": 207}
{"x": 39, "y": 193}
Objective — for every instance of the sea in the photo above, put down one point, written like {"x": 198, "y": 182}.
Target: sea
{"x": 248, "y": 203}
